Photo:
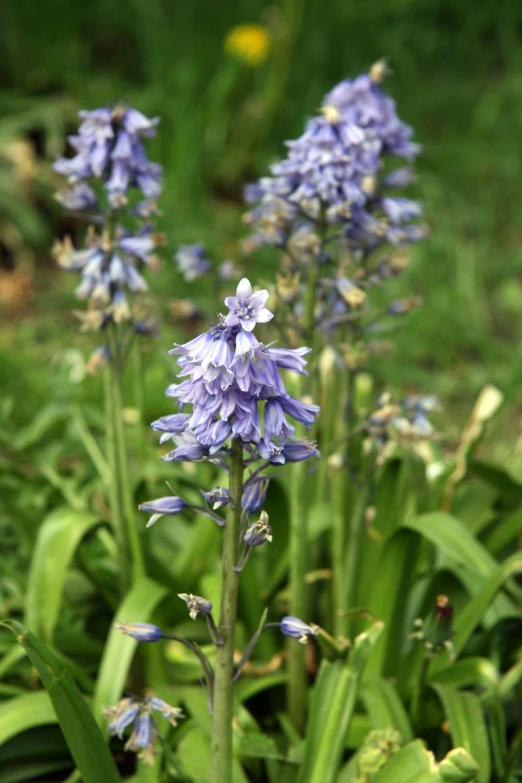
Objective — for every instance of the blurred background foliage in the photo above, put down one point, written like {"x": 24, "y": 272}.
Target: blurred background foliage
{"x": 457, "y": 79}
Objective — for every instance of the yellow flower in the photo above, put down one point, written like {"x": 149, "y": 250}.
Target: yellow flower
{"x": 249, "y": 43}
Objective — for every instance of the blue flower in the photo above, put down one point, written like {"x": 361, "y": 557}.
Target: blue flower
{"x": 77, "y": 198}
{"x": 296, "y": 629}
{"x": 254, "y": 494}
{"x": 108, "y": 268}
{"x": 192, "y": 262}
{"x": 233, "y": 385}
{"x": 247, "y": 308}
{"x": 137, "y": 713}
{"x": 121, "y": 715}
{"x": 142, "y": 632}
{"x": 217, "y": 497}
{"x": 167, "y": 506}
{"x": 172, "y": 714}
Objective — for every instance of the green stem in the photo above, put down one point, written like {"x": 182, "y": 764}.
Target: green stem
{"x": 338, "y": 542}
{"x": 132, "y": 539}
{"x": 298, "y": 519}
{"x": 224, "y": 668}
{"x": 139, "y": 395}
{"x": 298, "y": 592}
{"x": 114, "y": 489}
{"x": 416, "y": 697}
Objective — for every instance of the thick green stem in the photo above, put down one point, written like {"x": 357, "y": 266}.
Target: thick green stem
{"x": 224, "y": 668}
{"x": 122, "y": 477}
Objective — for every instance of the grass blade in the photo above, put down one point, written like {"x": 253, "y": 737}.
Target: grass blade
{"x": 332, "y": 709}
{"x": 58, "y": 538}
{"x": 25, "y": 712}
{"x": 385, "y": 708}
{"x": 467, "y": 726}
{"x": 84, "y": 739}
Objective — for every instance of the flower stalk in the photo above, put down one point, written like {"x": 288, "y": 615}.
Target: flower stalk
{"x": 121, "y": 478}
{"x": 224, "y": 668}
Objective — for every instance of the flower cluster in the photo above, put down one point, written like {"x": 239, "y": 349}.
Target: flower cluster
{"x": 131, "y": 711}
{"x": 109, "y": 268}
{"x": 333, "y": 201}
{"x": 404, "y": 422}
{"x": 234, "y": 389}
{"x": 109, "y": 148}
{"x": 333, "y": 171}
{"x": 110, "y": 152}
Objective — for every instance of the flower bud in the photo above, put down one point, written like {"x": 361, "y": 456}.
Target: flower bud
{"x": 259, "y": 531}
{"x": 254, "y": 495}
{"x": 296, "y": 629}
{"x": 196, "y": 605}
{"x": 217, "y": 497}
{"x": 167, "y": 506}
{"x": 142, "y": 632}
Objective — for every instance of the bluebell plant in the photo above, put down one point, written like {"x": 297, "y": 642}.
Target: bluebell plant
{"x": 113, "y": 186}
{"x": 334, "y": 208}
{"x": 236, "y": 412}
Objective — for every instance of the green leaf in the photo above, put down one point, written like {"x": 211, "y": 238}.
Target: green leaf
{"x": 449, "y": 534}
{"x": 331, "y": 709}
{"x": 58, "y": 538}
{"x": 468, "y": 672}
{"x": 257, "y": 745}
{"x": 415, "y": 764}
{"x": 25, "y": 712}
{"x": 136, "y": 607}
{"x": 194, "y": 752}
{"x": 467, "y": 620}
{"x": 84, "y": 739}
{"x": 396, "y": 573}
{"x": 464, "y": 554}
{"x": 247, "y": 688}
{"x": 412, "y": 764}
{"x": 385, "y": 708}
{"x": 504, "y": 532}
{"x": 467, "y": 726}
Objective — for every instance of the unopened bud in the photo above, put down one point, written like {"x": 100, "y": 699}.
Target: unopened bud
{"x": 259, "y": 532}
{"x": 331, "y": 114}
{"x": 379, "y": 71}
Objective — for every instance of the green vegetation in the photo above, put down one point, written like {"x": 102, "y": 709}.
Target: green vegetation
{"x": 402, "y": 700}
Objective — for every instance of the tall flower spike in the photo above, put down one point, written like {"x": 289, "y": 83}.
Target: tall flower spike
{"x": 333, "y": 173}
{"x": 110, "y": 152}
